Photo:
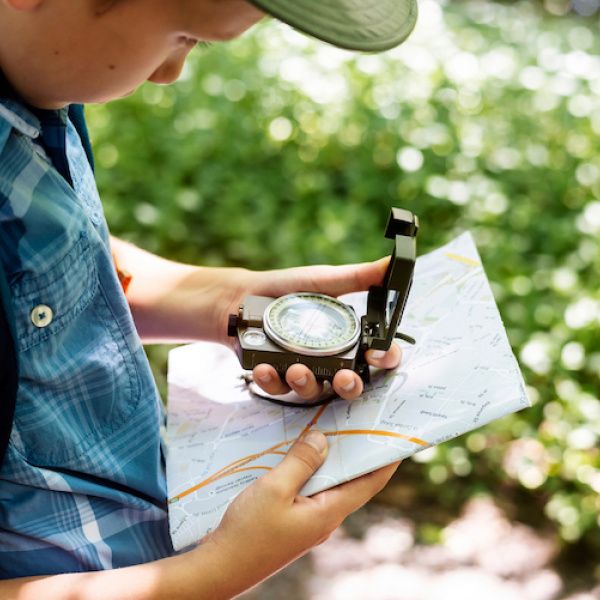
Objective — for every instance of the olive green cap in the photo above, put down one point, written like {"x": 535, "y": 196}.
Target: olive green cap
{"x": 367, "y": 25}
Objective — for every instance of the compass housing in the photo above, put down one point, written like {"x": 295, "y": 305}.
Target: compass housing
{"x": 324, "y": 333}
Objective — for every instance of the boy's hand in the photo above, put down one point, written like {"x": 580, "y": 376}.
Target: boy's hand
{"x": 269, "y": 524}
{"x": 333, "y": 281}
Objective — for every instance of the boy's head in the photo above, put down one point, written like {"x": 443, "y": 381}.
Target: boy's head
{"x": 56, "y": 52}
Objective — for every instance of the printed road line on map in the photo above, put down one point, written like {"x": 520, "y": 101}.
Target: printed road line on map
{"x": 232, "y": 468}
{"x": 463, "y": 259}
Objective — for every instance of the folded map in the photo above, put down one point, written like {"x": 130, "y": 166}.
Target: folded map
{"x": 460, "y": 375}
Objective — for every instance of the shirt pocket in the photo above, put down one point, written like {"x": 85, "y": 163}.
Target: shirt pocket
{"x": 78, "y": 379}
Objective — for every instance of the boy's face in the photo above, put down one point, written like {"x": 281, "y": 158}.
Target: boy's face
{"x": 56, "y": 52}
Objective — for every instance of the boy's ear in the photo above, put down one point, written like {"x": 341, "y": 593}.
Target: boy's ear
{"x": 23, "y": 4}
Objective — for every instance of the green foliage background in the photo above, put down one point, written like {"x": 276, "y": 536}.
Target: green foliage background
{"x": 275, "y": 151}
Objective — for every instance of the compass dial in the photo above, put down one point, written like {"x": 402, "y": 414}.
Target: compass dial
{"x": 311, "y": 324}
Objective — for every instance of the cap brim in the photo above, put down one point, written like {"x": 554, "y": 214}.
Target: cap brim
{"x": 367, "y": 25}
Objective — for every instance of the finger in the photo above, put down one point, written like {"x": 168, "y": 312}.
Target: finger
{"x": 350, "y": 496}
{"x": 347, "y": 384}
{"x": 385, "y": 360}
{"x": 302, "y": 380}
{"x": 302, "y": 460}
{"x": 267, "y": 378}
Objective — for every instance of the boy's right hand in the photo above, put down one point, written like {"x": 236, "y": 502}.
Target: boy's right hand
{"x": 269, "y": 524}
{"x": 266, "y": 527}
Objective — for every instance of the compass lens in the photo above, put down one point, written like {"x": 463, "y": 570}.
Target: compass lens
{"x": 312, "y": 324}
{"x": 315, "y": 323}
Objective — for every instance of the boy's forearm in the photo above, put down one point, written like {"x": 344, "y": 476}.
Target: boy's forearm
{"x": 174, "y": 302}
{"x": 201, "y": 574}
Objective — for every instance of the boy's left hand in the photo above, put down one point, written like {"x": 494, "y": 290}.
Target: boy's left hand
{"x": 333, "y": 281}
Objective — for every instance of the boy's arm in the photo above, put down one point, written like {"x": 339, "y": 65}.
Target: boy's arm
{"x": 173, "y": 302}
{"x": 265, "y": 528}
{"x": 176, "y": 302}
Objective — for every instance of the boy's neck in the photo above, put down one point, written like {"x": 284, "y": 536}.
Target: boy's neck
{"x": 6, "y": 89}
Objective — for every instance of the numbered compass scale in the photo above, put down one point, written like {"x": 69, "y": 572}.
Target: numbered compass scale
{"x": 322, "y": 332}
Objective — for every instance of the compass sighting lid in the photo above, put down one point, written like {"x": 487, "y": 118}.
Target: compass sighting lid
{"x": 385, "y": 303}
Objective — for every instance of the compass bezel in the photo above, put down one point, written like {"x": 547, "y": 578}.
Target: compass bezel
{"x": 323, "y": 300}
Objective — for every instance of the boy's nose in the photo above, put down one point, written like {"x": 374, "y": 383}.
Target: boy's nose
{"x": 170, "y": 69}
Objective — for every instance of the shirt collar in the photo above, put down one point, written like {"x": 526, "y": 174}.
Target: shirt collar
{"x": 19, "y": 117}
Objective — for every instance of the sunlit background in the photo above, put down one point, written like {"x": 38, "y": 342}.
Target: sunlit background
{"x": 275, "y": 150}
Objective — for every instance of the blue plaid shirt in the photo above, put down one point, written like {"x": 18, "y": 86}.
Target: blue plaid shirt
{"x": 82, "y": 485}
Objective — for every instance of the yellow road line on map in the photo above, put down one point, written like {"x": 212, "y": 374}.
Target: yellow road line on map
{"x": 463, "y": 259}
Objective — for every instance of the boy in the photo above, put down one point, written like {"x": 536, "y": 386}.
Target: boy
{"x": 82, "y": 487}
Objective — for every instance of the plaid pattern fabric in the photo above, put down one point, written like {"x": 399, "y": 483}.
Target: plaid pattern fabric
{"x": 82, "y": 486}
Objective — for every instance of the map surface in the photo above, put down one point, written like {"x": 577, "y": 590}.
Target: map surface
{"x": 460, "y": 375}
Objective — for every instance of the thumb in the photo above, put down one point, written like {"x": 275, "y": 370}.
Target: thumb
{"x": 302, "y": 460}
{"x": 337, "y": 280}
{"x": 354, "y": 278}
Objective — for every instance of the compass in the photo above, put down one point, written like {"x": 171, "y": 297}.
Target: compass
{"x": 312, "y": 324}
{"x": 322, "y": 332}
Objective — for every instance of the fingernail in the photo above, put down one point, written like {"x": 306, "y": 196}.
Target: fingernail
{"x": 317, "y": 440}
{"x": 377, "y": 354}
{"x": 265, "y": 378}
{"x": 302, "y": 381}
{"x": 350, "y": 386}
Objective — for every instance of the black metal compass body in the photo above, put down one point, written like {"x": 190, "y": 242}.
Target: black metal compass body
{"x": 322, "y": 332}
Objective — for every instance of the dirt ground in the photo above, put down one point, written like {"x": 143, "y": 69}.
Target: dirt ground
{"x": 380, "y": 554}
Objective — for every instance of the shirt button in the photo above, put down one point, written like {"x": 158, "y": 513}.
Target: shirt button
{"x": 41, "y": 315}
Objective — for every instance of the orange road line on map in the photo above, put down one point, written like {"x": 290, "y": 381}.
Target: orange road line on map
{"x": 463, "y": 259}
{"x": 229, "y": 470}
{"x": 243, "y": 461}
{"x": 251, "y": 469}
{"x": 381, "y": 432}
{"x": 314, "y": 420}
{"x": 376, "y": 432}
{"x": 212, "y": 479}
{"x": 271, "y": 450}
